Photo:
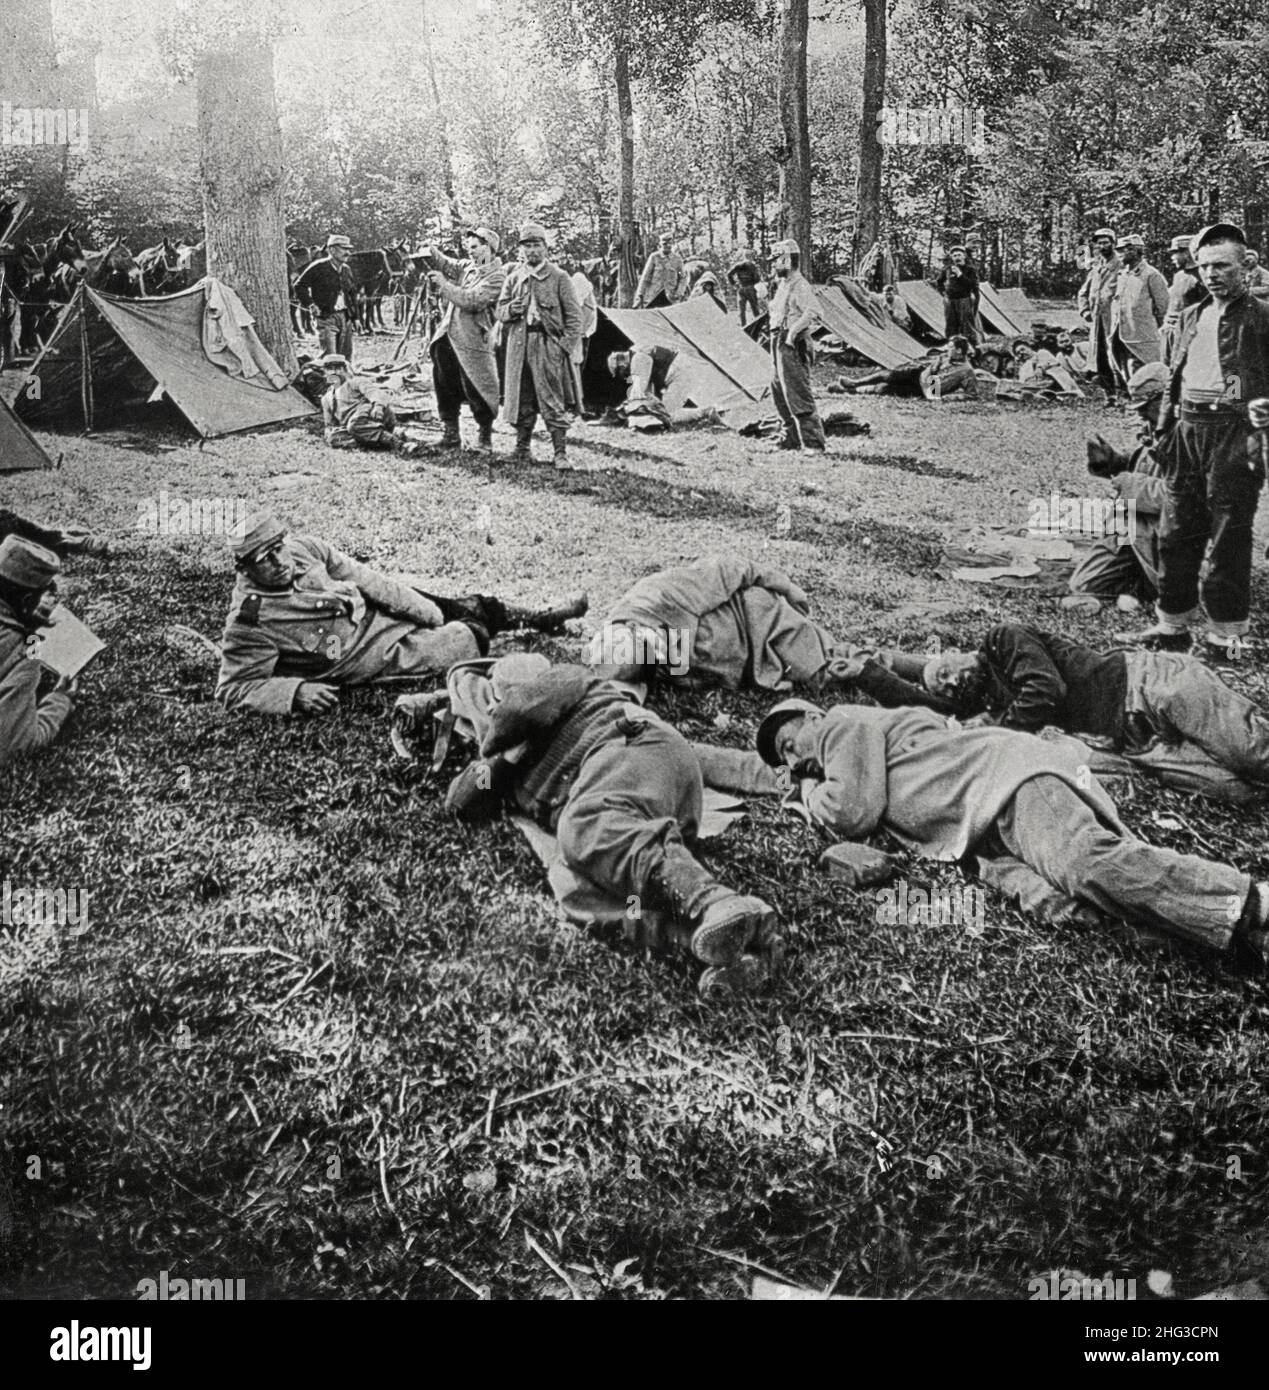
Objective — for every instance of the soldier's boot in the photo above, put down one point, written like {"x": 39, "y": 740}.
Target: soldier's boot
{"x": 450, "y": 437}
{"x": 523, "y": 450}
{"x": 547, "y": 619}
{"x": 722, "y": 922}
{"x": 558, "y": 438}
{"x": 484, "y": 440}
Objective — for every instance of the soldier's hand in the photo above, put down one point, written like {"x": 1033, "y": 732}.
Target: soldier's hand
{"x": 1100, "y": 456}
{"x": 67, "y": 685}
{"x": 313, "y": 697}
{"x": 435, "y": 279}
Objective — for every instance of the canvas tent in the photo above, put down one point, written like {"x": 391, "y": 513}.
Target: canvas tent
{"x": 19, "y": 448}
{"x": 926, "y": 304}
{"x": 725, "y": 367}
{"x": 876, "y": 337}
{"x": 107, "y": 354}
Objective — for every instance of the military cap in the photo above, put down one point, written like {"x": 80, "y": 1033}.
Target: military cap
{"x": 26, "y": 565}
{"x": 491, "y": 238}
{"x": 777, "y": 716}
{"x": 532, "y": 231}
{"x": 337, "y": 240}
{"x": 334, "y": 359}
{"x": 1130, "y": 239}
{"x": 260, "y": 529}
{"x": 1217, "y": 231}
{"x": 788, "y": 247}
{"x": 1104, "y": 231}
{"x": 1181, "y": 243}
{"x": 1147, "y": 382}
{"x": 516, "y": 668}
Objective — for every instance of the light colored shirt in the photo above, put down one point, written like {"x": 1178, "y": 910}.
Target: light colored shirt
{"x": 1201, "y": 377}
{"x": 795, "y": 306}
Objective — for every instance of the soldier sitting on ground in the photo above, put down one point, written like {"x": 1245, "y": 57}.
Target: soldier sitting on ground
{"x": 352, "y": 420}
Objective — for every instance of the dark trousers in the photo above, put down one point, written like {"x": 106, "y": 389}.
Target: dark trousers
{"x": 454, "y": 386}
{"x": 747, "y": 297}
{"x": 1212, "y": 495}
{"x": 791, "y": 392}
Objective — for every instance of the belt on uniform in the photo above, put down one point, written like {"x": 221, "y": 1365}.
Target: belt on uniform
{"x": 1212, "y": 410}
{"x": 535, "y": 328}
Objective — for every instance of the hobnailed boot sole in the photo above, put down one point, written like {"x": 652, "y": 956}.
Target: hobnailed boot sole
{"x": 728, "y": 926}
{"x": 745, "y": 976}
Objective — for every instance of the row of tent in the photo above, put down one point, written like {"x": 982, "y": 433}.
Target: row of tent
{"x": 122, "y": 352}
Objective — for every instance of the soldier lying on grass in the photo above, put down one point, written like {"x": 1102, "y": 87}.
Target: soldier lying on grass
{"x": 727, "y": 621}
{"x": 622, "y": 791}
{"x": 947, "y": 791}
{"x": 1167, "y": 713}
{"x": 305, "y": 619}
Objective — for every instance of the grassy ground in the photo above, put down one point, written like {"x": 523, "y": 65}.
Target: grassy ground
{"x": 322, "y": 1038}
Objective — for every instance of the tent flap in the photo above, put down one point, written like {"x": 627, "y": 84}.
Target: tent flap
{"x": 134, "y": 345}
{"x": 19, "y": 448}
{"x": 889, "y": 346}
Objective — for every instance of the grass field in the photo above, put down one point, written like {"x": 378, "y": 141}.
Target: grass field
{"x": 320, "y": 1037}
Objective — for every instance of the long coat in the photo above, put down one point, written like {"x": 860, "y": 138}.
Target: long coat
{"x": 1095, "y": 297}
{"x": 26, "y": 721}
{"x": 937, "y": 789}
{"x": 743, "y": 626}
{"x": 339, "y": 622}
{"x": 549, "y": 355}
{"x": 1138, "y": 309}
{"x": 470, "y": 292}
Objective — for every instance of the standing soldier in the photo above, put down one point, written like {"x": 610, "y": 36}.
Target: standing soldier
{"x": 332, "y": 286}
{"x": 664, "y": 278}
{"x": 746, "y": 277}
{"x": 1213, "y": 433}
{"x": 1184, "y": 290}
{"x": 794, "y": 312}
{"x": 464, "y": 367}
{"x": 958, "y": 284}
{"x": 1137, "y": 310}
{"x": 1095, "y": 297}
{"x": 543, "y": 322}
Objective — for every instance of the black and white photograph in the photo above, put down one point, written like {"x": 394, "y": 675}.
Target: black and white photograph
{"x": 634, "y": 663}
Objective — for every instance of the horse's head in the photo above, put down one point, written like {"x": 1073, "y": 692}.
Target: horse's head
{"x": 67, "y": 249}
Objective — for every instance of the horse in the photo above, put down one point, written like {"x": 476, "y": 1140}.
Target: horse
{"x": 404, "y": 279}
{"x": 373, "y": 273}
{"x": 114, "y": 271}
{"x": 298, "y": 257}
{"x": 602, "y": 272}
{"x": 169, "y": 267}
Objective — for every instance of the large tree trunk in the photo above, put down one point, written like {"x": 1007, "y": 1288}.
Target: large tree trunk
{"x": 795, "y": 172}
{"x": 871, "y": 150}
{"x": 240, "y": 144}
{"x": 628, "y": 271}
{"x": 442, "y": 127}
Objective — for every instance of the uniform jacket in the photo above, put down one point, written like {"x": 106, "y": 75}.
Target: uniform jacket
{"x": 325, "y": 283}
{"x": 552, "y": 291}
{"x": 470, "y": 292}
{"x": 1242, "y": 340}
{"x": 795, "y": 306}
{"x": 743, "y": 624}
{"x": 937, "y": 789}
{"x": 26, "y": 721}
{"x": 340, "y": 622}
{"x": 1138, "y": 308}
{"x": 1095, "y": 297}
{"x": 662, "y": 274}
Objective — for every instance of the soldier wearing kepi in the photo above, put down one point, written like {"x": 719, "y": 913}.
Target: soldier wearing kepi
{"x": 794, "y": 312}
{"x": 464, "y": 367}
{"x": 351, "y": 420}
{"x": 1213, "y": 446}
{"x": 543, "y": 319}
{"x": 305, "y": 619}
{"x": 28, "y": 594}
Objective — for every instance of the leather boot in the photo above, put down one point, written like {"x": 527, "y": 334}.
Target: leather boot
{"x": 523, "y": 450}
{"x": 484, "y": 440}
{"x": 561, "y": 454}
{"x": 547, "y": 619}
{"x": 723, "y": 922}
{"x": 450, "y": 438}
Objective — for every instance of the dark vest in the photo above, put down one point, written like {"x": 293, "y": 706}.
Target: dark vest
{"x": 662, "y": 360}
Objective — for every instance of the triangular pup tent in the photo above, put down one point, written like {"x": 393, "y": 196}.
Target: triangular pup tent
{"x": 19, "y": 448}
{"x": 876, "y": 337}
{"x": 108, "y": 354}
{"x": 727, "y": 369}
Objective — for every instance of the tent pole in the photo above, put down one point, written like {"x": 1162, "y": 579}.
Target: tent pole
{"x": 86, "y": 370}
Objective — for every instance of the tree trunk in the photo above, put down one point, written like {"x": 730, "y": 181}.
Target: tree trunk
{"x": 796, "y": 171}
{"x": 240, "y": 145}
{"x": 442, "y": 128}
{"x": 871, "y": 150}
{"x": 628, "y": 272}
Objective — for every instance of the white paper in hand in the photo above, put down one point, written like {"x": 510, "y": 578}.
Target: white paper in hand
{"x": 66, "y": 644}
